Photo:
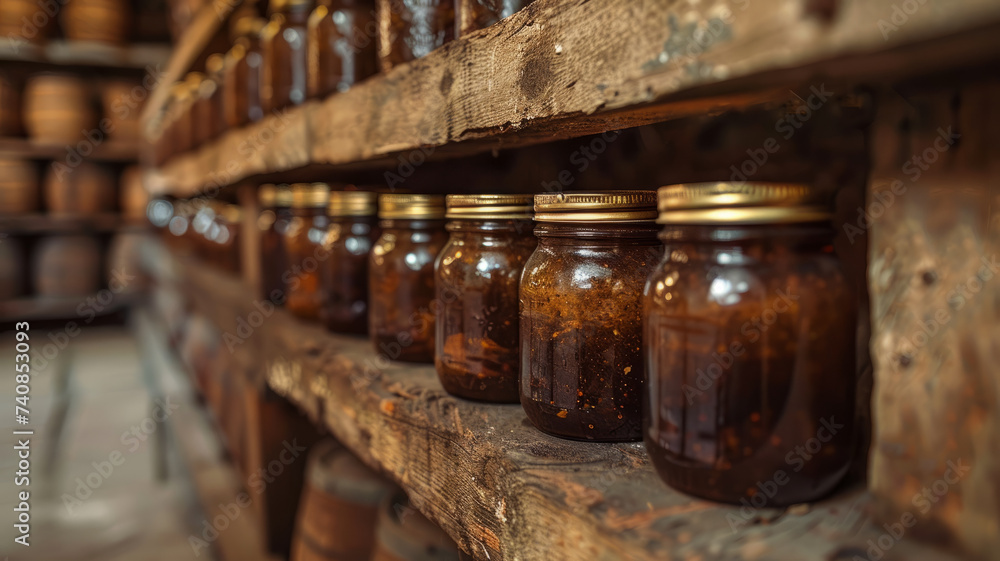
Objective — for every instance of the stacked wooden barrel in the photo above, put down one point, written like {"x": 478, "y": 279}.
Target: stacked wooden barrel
{"x": 58, "y": 109}
{"x": 103, "y": 21}
{"x": 18, "y": 186}
{"x": 406, "y": 535}
{"x": 67, "y": 266}
{"x": 85, "y": 189}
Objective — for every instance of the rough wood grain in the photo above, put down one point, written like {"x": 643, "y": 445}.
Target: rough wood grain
{"x": 566, "y": 68}
{"x": 504, "y": 490}
{"x": 935, "y": 287}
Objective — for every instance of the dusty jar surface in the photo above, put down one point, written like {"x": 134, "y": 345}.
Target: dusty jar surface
{"x": 581, "y": 299}
{"x": 303, "y": 243}
{"x": 401, "y": 276}
{"x": 478, "y": 278}
{"x": 273, "y": 221}
{"x": 749, "y": 334}
{"x": 411, "y": 29}
{"x": 350, "y": 236}
{"x": 471, "y": 15}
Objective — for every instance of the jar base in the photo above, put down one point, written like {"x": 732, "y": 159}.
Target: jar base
{"x": 490, "y": 388}
{"x": 574, "y": 425}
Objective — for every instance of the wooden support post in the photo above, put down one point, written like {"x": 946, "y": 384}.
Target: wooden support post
{"x": 934, "y": 276}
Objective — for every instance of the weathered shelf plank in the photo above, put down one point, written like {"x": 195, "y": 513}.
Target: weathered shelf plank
{"x": 566, "y": 68}
{"x": 502, "y": 489}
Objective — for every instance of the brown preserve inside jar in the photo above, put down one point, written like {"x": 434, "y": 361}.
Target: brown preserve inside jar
{"x": 285, "y": 64}
{"x": 581, "y": 299}
{"x": 749, "y": 331}
{"x": 411, "y": 29}
{"x": 342, "y": 47}
{"x": 273, "y": 221}
{"x": 478, "y": 275}
{"x": 303, "y": 240}
{"x": 242, "y": 75}
{"x": 349, "y": 239}
{"x": 401, "y": 276}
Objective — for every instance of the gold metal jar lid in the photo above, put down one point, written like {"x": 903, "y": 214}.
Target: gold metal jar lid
{"x": 411, "y": 207}
{"x": 310, "y": 195}
{"x": 267, "y": 194}
{"x": 489, "y": 207}
{"x": 353, "y": 203}
{"x": 231, "y": 214}
{"x": 604, "y": 206}
{"x": 739, "y": 203}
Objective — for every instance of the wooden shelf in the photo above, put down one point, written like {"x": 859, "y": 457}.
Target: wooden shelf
{"x": 108, "y": 151}
{"x": 501, "y": 488}
{"x": 46, "y": 308}
{"x": 562, "y": 68}
{"x": 75, "y": 54}
{"x": 49, "y": 224}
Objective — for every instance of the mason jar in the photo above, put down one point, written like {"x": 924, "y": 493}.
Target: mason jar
{"x": 285, "y": 64}
{"x": 411, "y": 29}
{"x": 242, "y": 74}
{"x": 478, "y": 276}
{"x": 303, "y": 240}
{"x": 351, "y": 233}
{"x": 749, "y": 331}
{"x": 342, "y": 45}
{"x": 581, "y": 301}
{"x": 272, "y": 222}
{"x": 401, "y": 276}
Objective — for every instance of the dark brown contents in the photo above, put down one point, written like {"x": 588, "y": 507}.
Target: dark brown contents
{"x": 302, "y": 242}
{"x": 283, "y": 44}
{"x": 344, "y": 273}
{"x": 342, "y": 48}
{"x": 478, "y": 275}
{"x": 401, "y": 322}
{"x": 477, "y": 14}
{"x": 581, "y": 299}
{"x": 273, "y": 224}
{"x": 410, "y": 29}
{"x": 750, "y": 341}
{"x": 241, "y": 83}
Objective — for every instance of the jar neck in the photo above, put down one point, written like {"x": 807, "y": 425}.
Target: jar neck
{"x": 639, "y": 232}
{"x": 810, "y": 234}
{"x": 342, "y": 219}
{"x": 308, "y": 212}
{"x": 408, "y": 224}
{"x": 493, "y": 227}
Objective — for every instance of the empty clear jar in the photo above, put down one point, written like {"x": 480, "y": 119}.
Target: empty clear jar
{"x": 411, "y": 29}
{"x": 581, "y": 322}
{"x": 749, "y": 332}
{"x": 401, "y": 276}
{"x": 478, "y": 277}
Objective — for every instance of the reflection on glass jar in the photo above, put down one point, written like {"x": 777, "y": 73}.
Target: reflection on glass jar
{"x": 581, "y": 299}
{"x": 303, "y": 244}
{"x": 410, "y": 29}
{"x": 242, "y": 74}
{"x": 342, "y": 48}
{"x": 349, "y": 239}
{"x": 285, "y": 64}
{"x": 749, "y": 333}
{"x": 273, "y": 221}
{"x": 478, "y": 275}
{"x": 471, "y": 15}
{"x": 401, "y": 276}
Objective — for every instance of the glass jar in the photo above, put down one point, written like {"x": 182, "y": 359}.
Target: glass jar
{"x": 581, "y": 323}
{"x": 208, "y": 120}
{"x": 225, "y": 235}
{"x": 342, "y": 49}
{"x": 471, "y": 15}
{"x": 273, "y": 221}
{"x": 478, "y": 275}
{"x": 349, "y": 239}
{"x": 749, "y": 334}
{"x": 283, "y": 44}
{"x": 303, "y": 245}
{"x": 401, "y": 276}
{"x": 410, "y": 29}
{"x": 242, "y": 76}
